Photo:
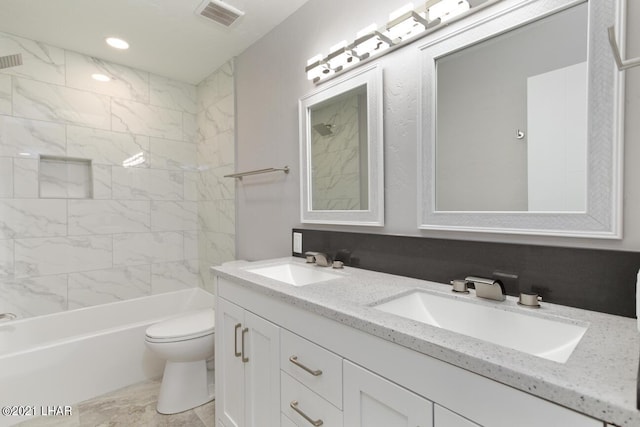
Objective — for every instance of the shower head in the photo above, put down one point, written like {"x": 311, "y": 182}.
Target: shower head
{"x": 323, "y": 129}
{"x": 10, "y": 61}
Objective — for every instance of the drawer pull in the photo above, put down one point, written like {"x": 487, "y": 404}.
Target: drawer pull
{"x": 235, "y": 340}
{"x": 244, "y": 359}
{"x": 315, "y": 373}
{"x": 294, "y": 406}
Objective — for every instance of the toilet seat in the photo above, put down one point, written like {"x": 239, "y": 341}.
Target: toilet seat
{"x": 184, "y": 327}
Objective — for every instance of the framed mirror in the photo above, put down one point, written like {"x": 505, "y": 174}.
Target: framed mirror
{"x": 341, "y": 151}
{"x": 522, "y": 122}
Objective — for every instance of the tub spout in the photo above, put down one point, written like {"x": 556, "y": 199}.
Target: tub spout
{"x": 5, "y": 317}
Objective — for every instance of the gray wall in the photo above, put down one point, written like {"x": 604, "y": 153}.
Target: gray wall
{"x": 270, "y": 79}
{"x": 482, "y": 101}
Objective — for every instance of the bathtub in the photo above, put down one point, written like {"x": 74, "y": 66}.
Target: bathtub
{"x": 64, "y": 358}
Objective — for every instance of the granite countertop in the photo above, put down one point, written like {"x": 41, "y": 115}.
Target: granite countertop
{"x": 599, "y": 378}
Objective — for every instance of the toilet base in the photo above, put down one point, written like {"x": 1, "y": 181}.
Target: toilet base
{"x": 184, "y": 386}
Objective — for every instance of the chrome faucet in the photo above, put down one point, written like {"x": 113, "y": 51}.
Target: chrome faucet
{"x": 488, "y": 288}
{"x": 320, "y": 258}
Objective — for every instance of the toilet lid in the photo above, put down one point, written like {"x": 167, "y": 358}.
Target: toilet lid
{"x": 185, "y": 326}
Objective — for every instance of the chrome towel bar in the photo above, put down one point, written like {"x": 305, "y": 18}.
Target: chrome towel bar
{"x": 239, "y": 175}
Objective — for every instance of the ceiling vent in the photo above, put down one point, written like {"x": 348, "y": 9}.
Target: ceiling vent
{"x": 10, "y": 61}
{"x": 220, "y": 12}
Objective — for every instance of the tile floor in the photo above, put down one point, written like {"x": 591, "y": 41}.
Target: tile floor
{"x": 133, "y": 406}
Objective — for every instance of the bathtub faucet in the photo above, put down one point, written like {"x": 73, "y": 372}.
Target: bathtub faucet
{"x": 7, "y": 317}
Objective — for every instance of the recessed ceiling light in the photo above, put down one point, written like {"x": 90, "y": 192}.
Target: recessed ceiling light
{"x": 117, "y": 43}
{"x": 100, "y": 77}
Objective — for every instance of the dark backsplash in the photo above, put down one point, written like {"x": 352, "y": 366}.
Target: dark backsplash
{"x": 599, "y": 280}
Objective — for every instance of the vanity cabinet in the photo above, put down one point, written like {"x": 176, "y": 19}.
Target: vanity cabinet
{"x": 364, "y": 381}
{"x": 442, "y": 417}
{"x": 372, "y": 401}
{"x": 247, "y": 374}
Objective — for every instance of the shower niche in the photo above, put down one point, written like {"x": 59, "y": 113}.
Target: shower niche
{"x": 65, "y": 178}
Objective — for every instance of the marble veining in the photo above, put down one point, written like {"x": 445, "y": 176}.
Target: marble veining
{"x": 6, "y": 258}
{"x": 169, "y": 93}
{"x": 138, "y": 205}
{"x": 173, "y": 215}
{"x": 218, "y": 85}
{"x": 189, "y": 127}
{"x": 6, "y": 177}
{"x": 130, "y": 183}
{"x": 34, "y": 296}
{"x": 599, "y": 379}
{"x": 43, "y": 101}
{"x": 138, "y": 118}
{"x": 176, "y": 155}
{"x": 39, "y": 60}
{"x": 5, "y": 94}
{"x": 108, "y": 216}
{"x": 147, "y": 248}
{"x": 25, "y": 178}
{"x": 126, "y": 82}
{"x": 31, "y": 137}
{"x": 215, "y": 141}
{"x": 102, "y": 179}
{"x": 110, "y": 285}
{"x": 106, "y": 147}
{"x": 21, "y": 218}
{"x": 190, "y": 242}
{"x": 173, "y": 276}
{"x": 190, "y": 191}
{"x": 55, "y": 255}
{"x": 166, "y": 184}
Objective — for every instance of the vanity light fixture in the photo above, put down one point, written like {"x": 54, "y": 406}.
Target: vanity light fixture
{"x": 100, "y": 77}
{"x": 318, "y": 68}
{"x": 117, "y": 43}
{"x": 405, "y": 24}
{"x": 369, "y": 41}
{"x": 446, "y": 10}
{"x": 341, "y": 56}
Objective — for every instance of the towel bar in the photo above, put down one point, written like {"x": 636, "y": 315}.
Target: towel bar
{"x": 239, "y": 175}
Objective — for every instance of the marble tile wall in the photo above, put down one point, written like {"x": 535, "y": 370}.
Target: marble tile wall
{"x": 139, "y": 232}
{"x": 216, "y": 158}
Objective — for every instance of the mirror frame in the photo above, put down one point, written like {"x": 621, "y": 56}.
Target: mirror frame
{"x": 603, "y": 215}
{"x": 371, "y": 77}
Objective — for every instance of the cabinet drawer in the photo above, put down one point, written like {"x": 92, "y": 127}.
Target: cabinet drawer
{"x": 314, "y": 407}
{"x": 443, "y": 417}
{"x": 298, "y": 357}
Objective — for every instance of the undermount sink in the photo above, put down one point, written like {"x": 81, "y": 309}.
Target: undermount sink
{"x": 294, "y": 274}
{"x": 552, "y": 339}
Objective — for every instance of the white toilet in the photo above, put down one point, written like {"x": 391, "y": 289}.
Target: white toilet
{"x": 186, "y": 342}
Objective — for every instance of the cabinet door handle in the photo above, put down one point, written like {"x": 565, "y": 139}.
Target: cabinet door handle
{"x": 244, "y": 331}
{"x": 294, "y": 406}
{"x": 314, "y": 372}
{"x": 235, "y": 340}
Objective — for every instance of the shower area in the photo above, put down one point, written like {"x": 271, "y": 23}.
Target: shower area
{"x": 339, "y": 152}
{"x": 109, "y": 191}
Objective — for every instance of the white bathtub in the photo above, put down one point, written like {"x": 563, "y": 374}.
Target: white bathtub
{"x": 65, "y": 358}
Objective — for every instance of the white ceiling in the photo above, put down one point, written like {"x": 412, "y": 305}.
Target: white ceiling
{"x": 166, "y": 36}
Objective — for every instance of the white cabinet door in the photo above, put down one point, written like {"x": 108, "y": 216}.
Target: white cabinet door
{"x": 372, "y": 401}
{"x": 443, "y": 417}
{"x": 229, "y": 367}
{"x": 262, "y": 371}
{"x": 247, "y": 368}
